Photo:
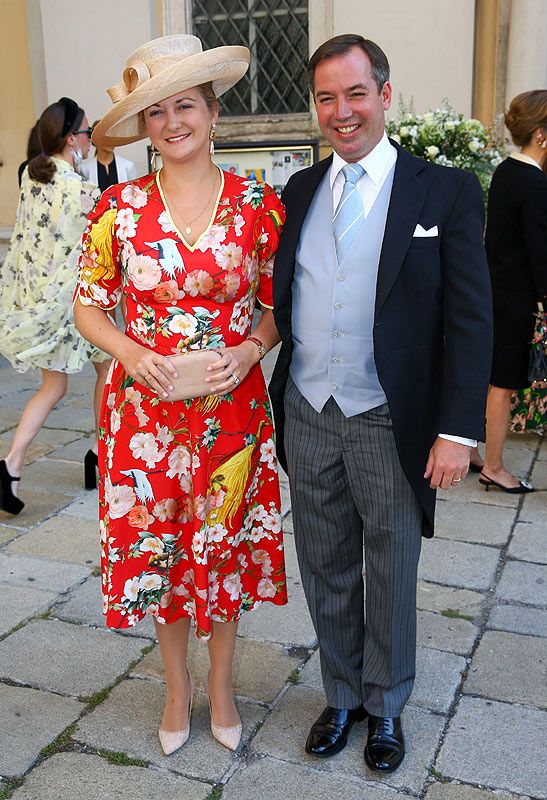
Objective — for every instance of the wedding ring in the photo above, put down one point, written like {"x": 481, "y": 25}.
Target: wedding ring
{"x": 236, "y": 379}
{"x": 456, "y": 480}
{"x": 145, "y": 377}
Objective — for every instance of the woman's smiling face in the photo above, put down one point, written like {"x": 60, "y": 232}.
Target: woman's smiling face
{"x": 179, "y": 126}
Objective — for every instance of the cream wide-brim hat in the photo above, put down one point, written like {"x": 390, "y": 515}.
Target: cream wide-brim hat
{"x": 159, "y": 69}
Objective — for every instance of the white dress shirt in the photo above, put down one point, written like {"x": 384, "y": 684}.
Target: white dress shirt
{"x": 377, "y": 165}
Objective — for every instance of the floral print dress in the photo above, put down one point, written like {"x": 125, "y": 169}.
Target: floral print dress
{"x": 189, "y": 493}
{"x": 40, "y": 271}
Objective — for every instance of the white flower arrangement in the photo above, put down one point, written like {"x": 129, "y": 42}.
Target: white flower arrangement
{"x": 448, "y": 139}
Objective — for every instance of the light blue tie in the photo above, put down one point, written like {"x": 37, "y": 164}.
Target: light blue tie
{"x": 349, "y": 214}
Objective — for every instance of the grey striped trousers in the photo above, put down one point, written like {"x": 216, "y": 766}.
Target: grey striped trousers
{"x": 348, "y": 489}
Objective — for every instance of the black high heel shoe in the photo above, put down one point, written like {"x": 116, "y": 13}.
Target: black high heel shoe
{"x": 91, "y": 463}
{"x": 522, "y": 488}
{"x": 8, "y": 501}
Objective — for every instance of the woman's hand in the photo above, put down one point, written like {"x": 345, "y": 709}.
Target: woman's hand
{"x": 148, "y": 368}
{"x": 228, "y": 372}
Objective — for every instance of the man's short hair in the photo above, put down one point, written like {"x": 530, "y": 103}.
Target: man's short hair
{"x": 339, "y": 45}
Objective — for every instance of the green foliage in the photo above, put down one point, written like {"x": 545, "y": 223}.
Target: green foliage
{"x": 216, "y": 793}
{"x": 452, "y": 613}
{"x": 448, "y": 139}
{"x": 59, "y": 744}
{"x": 121, "y": 759}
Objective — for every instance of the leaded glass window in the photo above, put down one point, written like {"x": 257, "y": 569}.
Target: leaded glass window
{"x": 276, "y": 33}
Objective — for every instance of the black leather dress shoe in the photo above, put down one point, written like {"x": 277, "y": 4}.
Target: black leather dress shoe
{"x": 385, "y": 747}
{"x": 329, "y": 733}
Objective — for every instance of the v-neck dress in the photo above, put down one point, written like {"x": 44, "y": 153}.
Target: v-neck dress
{"x": 189, "y": 495}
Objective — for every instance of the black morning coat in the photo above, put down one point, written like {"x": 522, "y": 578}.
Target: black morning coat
{"x": 433, "y": 310}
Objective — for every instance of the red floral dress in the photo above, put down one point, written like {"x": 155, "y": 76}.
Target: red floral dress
{"x": 189, "y": 495}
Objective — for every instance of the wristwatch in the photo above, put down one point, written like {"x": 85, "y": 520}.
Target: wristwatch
{"x": 262, "y": 349}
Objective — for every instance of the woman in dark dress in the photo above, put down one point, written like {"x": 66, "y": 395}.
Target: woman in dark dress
{"x": 516, "y": 246}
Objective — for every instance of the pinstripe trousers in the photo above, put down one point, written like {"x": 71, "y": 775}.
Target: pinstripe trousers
{"x": 348, "y": 491}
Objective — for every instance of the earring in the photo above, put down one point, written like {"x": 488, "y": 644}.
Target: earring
{"x": 212, "y": 140}
{"x": 153, "y": 158}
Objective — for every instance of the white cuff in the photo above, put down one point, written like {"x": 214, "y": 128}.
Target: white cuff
{"x": 458, "y": 439}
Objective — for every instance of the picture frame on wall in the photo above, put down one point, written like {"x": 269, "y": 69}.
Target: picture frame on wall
{"x": 271, "y": 162}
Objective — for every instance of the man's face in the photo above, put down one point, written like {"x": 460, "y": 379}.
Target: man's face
{"x": 350, "y": 110}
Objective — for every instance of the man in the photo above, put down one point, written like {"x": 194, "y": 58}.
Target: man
{"x": 382, "y": 300}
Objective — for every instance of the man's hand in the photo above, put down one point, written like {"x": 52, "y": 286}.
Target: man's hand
{"x": 447, "y": 464}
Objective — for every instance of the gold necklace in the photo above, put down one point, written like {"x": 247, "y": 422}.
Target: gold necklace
{"x": 188, "y": 225}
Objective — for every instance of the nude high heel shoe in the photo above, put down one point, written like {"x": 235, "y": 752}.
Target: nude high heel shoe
{"x": 229, "y": 737}
{"x": 173, "y": 740}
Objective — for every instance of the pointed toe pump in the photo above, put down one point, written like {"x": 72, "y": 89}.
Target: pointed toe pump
{"x": 91, "y": 462}
{"x": 173, "y": 740}
{"x": 8, "y": 501}
{"x": 228, "y": 737}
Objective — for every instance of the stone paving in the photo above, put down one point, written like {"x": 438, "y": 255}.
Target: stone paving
{"x": 80, "y": 705}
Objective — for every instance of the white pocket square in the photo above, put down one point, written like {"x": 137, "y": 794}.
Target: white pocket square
{"x": 419, "y": 231}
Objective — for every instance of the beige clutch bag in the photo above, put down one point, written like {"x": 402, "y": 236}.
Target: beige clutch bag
{"x": 191, "y": 373}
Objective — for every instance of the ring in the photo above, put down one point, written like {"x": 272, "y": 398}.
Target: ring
{"x": 456, "y": 480}
{"x": 145, "y": 376}
{"x": 236, "y": 379}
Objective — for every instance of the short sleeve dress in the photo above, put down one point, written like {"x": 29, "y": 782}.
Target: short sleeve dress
{"x": 40, "y": 272}
{"x": 189, "y": 494}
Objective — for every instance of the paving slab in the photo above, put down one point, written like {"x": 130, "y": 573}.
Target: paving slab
{"x": 29, "y": 720}
{"x": 277, "y": 780}
{"x": 38, "y": 505}
{"x": 474, "y": 492}
{"x": 285, "y": 731}
{"x": 534, "y": 506}
{"x": 470, "y": 566}
{"x": 129, "y": 718}
{"x": 64, "y": 658}
{"x": 69, "y": 417}
{"x": 472, "y": 522}
{"x": 86, "y": 506}
{"x": 90, "y": 777}
{"x": 510, "y": 667}
{"x": 16, "y": 606}
{"x": 85, "y": 605}
{"x": 445, "y": 633}
{"x": 61, "y": 538}
{"x": 488, "y": 743}
{"x": 455, "y": 791}
{"x": 49, "y": 473}
{"x": 522, "y": 582}
{"x": 261, "y": 669}
{"x": 291, "y": 561}
{"x": 34, "y": 451}
{"x": 9, "y": 417}
{"x": 519, "y": 619}
{"x": 434, "y": 597}
{"x": 290, "y": 624}
{"x": 18, "y": 569}
{"x": 74, "y": 451}
{"x": 7, "y": 532}
{"x": 438, "y": 676}
{"x": 528, "y": 542}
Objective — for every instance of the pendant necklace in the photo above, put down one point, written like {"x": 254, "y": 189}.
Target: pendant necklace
{"x": 188, "y": 225}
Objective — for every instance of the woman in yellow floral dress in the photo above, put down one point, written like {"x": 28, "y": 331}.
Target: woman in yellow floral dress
{"x": 189, "y": 495}
{"x": 38, "y": 277}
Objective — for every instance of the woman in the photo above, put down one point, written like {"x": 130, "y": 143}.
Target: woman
{"x": 107, "y": 168}
{"x": 189, "y": 494}
{"x": 37, "y": 281}
{"x": 516, "y": 246}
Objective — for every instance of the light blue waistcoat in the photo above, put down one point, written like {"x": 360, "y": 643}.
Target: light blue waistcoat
{"x": 333, "y": 307}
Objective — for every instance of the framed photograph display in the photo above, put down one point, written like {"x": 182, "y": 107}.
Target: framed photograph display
{"x": 272, "y": 162}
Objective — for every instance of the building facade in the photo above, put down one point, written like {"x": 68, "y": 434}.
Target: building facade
{"x": 476, "y": 53}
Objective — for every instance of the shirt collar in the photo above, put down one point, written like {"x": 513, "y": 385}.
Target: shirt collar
{"x": 374, "y": 163}
{"x": 526, "y": 159}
